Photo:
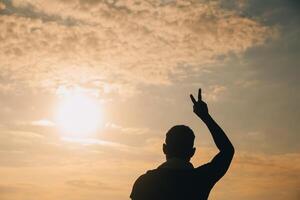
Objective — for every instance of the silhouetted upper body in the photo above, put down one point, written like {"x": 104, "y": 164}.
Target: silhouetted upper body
{"x": 177, "y": 179}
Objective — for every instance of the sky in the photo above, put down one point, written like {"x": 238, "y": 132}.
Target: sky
{"x": 136, "y": 62}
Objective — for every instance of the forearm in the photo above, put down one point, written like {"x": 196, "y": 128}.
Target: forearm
{"x": 219, "y": 136}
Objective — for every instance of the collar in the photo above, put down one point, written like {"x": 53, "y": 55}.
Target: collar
{"x": 176, "y": 163}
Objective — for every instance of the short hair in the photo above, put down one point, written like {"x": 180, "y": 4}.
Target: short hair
{"x": 180, "y": 141}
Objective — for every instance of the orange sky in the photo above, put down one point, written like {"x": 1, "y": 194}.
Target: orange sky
{"x": 138, "y": 61}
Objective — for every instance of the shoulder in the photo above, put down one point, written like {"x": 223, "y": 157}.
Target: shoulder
{"x": 140, "y": 179}
{"x": 146, "y": 178}
{"x": 148, "y": 173}
{"x": 141, "y": 185}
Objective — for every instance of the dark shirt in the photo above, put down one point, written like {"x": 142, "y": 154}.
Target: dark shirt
{"x": 178, "y": 180}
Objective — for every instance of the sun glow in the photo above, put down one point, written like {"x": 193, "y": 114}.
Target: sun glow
{"x": 78, "y": 115}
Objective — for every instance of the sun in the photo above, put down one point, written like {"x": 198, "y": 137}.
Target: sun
{"x": 78, "y": 115}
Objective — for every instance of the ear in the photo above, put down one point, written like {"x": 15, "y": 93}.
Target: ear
{"x": 165, "y": 149}
{"x": 193, "y": 152}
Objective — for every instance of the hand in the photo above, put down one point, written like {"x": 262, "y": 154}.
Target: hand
{"x": 200, "y": 107}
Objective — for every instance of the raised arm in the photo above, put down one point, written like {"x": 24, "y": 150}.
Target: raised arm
{"x": 222, "y": 160}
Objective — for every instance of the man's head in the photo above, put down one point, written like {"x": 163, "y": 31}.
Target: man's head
{"x": 179, "y": 143}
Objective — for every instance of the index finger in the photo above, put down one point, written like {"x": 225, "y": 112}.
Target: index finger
{"x": 193, "y": 99}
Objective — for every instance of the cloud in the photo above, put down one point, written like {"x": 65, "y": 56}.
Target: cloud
{"x": 88, "y": 184}
{"x": 43, "y": 122}
{"x": 119, "y": 43}
{"x": 93, "y": 168}
{"x": 4, "y": 189}
{"x": 258, "y": 176}
{"x": 266, "y": 173}
{"x": 126, "y": 130}
{"x": 215, "y": 92}
{"x": 2, "y": 6}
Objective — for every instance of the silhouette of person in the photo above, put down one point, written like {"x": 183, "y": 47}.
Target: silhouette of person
{"x": 177, "y": 178}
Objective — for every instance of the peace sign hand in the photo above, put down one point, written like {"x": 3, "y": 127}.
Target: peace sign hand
{"x": 200, "y": 107}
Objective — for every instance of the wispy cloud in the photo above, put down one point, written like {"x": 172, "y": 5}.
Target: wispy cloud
{"x": 127, "y": 43}
{"x": 43, "y": 122}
